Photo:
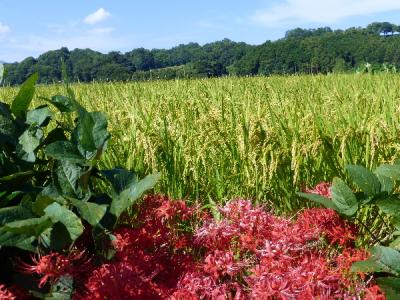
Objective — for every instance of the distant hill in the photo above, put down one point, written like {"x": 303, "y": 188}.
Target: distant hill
{"x": 320, "y": 50}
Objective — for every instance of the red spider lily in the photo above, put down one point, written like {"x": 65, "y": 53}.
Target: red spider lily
{"x": 54, "y": 265}
{"x": 323, "y": 189}
{"x": 6, "y": 294}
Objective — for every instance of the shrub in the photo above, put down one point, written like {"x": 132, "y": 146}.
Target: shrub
{"x": 51, "y": 189}
{"x": 375, "y": 190}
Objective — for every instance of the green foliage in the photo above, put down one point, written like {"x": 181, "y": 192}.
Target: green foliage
{"x": 376, "y": 189}
{"x": 49, "y": 180}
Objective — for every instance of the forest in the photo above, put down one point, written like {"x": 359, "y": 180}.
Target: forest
{"x": 304, "y": 51}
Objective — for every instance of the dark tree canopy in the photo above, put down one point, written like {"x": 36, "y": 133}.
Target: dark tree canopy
{"x": 319, "y": 50}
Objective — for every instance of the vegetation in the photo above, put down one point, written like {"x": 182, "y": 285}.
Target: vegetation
{"x": 50, "y": 183}
{"x": 259, "y": 138}
{"x": 376, "y": 190}
{"x": 308, "y": 51}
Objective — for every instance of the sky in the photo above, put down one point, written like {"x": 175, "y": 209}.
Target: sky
{"x": 30, "y": 28}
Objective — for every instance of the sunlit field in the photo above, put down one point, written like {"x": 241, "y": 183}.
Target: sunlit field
{"x": 261, "y": 138}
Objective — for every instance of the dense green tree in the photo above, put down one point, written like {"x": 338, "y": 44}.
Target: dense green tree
{"x": 320, "y": 50}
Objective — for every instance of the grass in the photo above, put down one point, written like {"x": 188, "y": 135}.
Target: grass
{"x": 258, "y": 138}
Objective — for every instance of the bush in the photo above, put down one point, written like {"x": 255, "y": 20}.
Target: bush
{"x": 51, "y": 189}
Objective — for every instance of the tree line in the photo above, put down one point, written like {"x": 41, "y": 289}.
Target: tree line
{"x": 320, "y": 50}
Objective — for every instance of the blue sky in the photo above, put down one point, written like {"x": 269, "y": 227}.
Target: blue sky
{"x": 29, "y": 28}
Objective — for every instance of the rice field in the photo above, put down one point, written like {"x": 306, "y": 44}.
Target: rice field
{"x": 260, "y": 138}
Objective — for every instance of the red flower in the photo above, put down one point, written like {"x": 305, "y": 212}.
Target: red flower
{"x": 323, "y": 189}
{"x": 54, "y": 265}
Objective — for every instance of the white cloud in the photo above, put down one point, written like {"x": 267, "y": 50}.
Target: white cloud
{"x": 292, "y": 12}
{"x": 4, "y": 28}
{"x": 99, "y": 15}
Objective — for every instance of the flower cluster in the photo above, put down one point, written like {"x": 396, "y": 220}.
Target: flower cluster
{"x": 251, "y": 254}
{"x": 151, "y": 255}
{"x": 54, "y": 265}
{"x": 248, "y": 253}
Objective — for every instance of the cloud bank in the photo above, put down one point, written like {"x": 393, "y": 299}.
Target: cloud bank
{"x": 292, "y": 12}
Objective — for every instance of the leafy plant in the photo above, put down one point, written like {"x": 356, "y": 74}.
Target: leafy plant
{"x": 375, "y": 189}
{"x": 50, "y": 186}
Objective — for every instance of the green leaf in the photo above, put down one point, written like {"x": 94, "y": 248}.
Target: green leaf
{"x": 63, "y": 103}
{"x": 391, "y": 171}
{"x": 29, "y": 141}
{"x": 42, "y": 201}
{"x": 343, "y": 198}
{"x": 319, "y": 199}
{"x": 29, "y": 227}
{"x": 68, "y": 175}
{"x": 92, "y": 133}
{"x": 14, "y": 213}
{"x": 59, "y": 237}
{"x": 386, "y": 183}
{"x": 24, "y": 242}
{"x": 395, "y": 244}
{"x": 39, "y": 116}
{"x": 24, "y": 97}
{"x": 58, "y": 213}
{"x": 9, "y": 129}
{"x": 19, "y": 176}
{"x": 62, "y": 289}
{"x": 367, "y": 181}
{"x": 64, "y": 150}
{"x": 120, "y": 179}
{"x": 383, "y": 259}
{"x": 389, "y": 205}
{"x": 390, "y": 286}
{"x": 89, "y": 211}
{"x": 128, "y": 196}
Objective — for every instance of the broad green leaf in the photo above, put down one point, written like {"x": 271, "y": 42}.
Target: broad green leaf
{"x": 24, "y": 242}
{"x": 39, "y": 116}
{"x": 58, "y": 213}
{"x": 319, "y": 199}
{"x": 24, "y": 97}
{"x": 343, "y": 198}
{"x": 390, "y": 286}
{"x": 41, "y": 202}
{"x": 391, "y": 171}
{"x": 390, "y": 206}
{"x": 386, "y": 183}
{"x": 19, "y": 176}
{"x": 89, "y": 211}
{"x": 29, "y": 227}
{"x": 63, "y": 103}
{"x": 383, "y": 259}
{"x": 367, "y": 181}
{"x": 396, "y": 222}
{"x": 68, "y": 175}
{"x": 29, "y": 141}
{"x": 128, "y": 196}
{"x": 92, "y": 132}
{"x": 59, "y": 237}
{"x": 14, "y": 213}
{"x": 395, "y": 244}
{"x": 64, "y": 150}
{"x": 8, "y": 128}
{"x": 120, "y": 179}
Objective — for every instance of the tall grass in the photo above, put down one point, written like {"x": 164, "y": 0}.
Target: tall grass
{"x": 258, "y": 138}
